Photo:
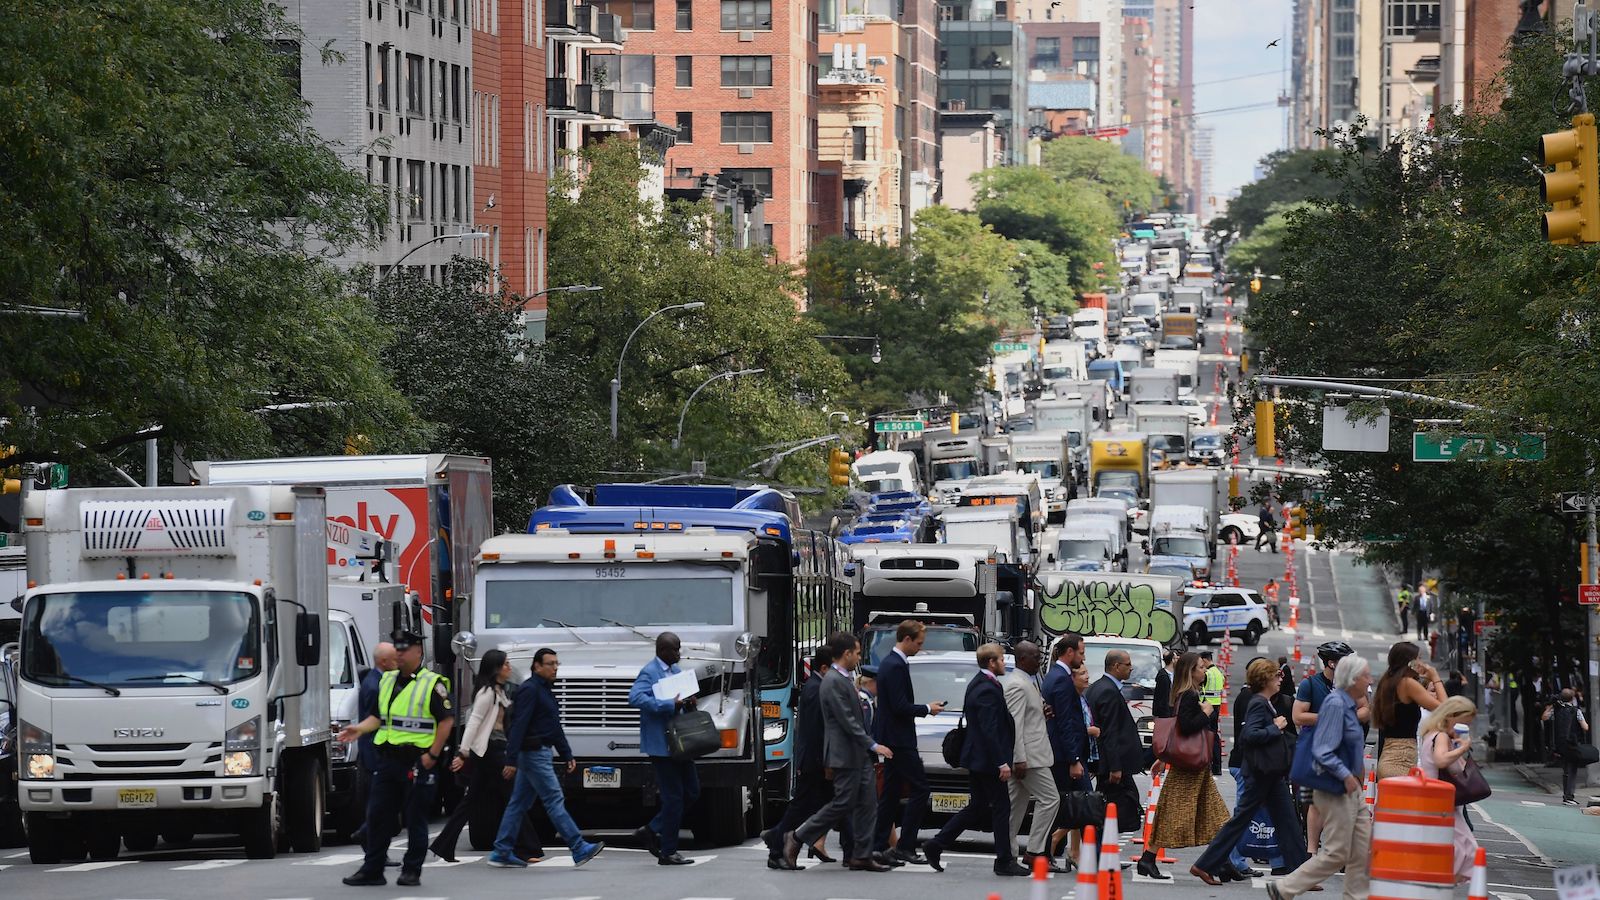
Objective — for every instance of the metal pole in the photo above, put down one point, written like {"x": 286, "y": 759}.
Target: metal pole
{"x": 616, "y": 381}
{"x": 1591, "y": 635}
{"x": 616, "y": 389}
{"x": 696, "y": 392}
{"x": 150, "y": 462}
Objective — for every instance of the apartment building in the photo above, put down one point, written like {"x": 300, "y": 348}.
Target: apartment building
{"x": 983, "y": 68}
{"x": 858, "y": 145}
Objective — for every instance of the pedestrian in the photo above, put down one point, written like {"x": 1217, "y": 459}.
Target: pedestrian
{"x": 410, "y": 725}
{"x": 1191, "y": 808}
{"x": 1031, "y": 756}
{"x": 1211, "y": 691}
{"x": 867, "y": 693}
{"x": 1408, "y": 687}
{"x": 1308, "y": 700}
{"x": 849, "y": 752}
{"x": 1270, "y": 593}
{"x": 1337, "y": 744}
{"x": 1403, "y": 601}
{"x": 1069, "y": 732}
{"x": 1269, "y": 529}
{"x": 1263, "y": 727}
{"x": 1423, "y": 607}
{"x": 1456, "y": 684}
{"x": 986, "y": 754}
{"x": 383, "y": 660}
{"x": 896, "y": 728}
{"x": 1161, "y": 702}
{"x": 811, "y": 788}
{"x": 1571, "y": 743}
{"x": 677, "y": 782}
{"x": 1122, "y": 753}
{"x": 482, "y": 754}
{"x": 1466, "y": 631}
{"x": 532, "y": 743}
{"x": 1241, "y": 703}
{"x": 1439, "y": 749}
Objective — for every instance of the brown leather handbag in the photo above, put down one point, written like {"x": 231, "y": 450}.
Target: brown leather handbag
{"x": 1191, "y": 752}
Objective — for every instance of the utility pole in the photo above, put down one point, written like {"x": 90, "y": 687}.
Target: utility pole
{"x": 1591, "y": 575}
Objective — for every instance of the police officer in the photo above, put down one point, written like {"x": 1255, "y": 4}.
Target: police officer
{"x": 412, "y": 721}
{"x": 1211, "y": 692}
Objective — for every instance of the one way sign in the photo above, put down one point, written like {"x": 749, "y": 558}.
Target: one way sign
{"x": 1575, "y": 502}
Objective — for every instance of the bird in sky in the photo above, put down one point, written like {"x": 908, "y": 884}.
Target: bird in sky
{"x": 1273, "y": 44}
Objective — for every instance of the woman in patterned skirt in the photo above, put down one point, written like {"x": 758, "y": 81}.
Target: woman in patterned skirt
{"x": 1191, "y": 809}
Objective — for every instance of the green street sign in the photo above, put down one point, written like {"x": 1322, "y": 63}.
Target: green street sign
{"x": 898, "y": 426}
{"x": 1432, "y": 446}
{"x": 1011, "y": 346}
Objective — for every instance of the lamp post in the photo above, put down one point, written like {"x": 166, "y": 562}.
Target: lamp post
{"x": 696, "y": 392}
{"x": 616, "y": 383}
{"x": 877, "y": 350}
{"x": 568, "y": 289}
{"x": 475, "y": 235}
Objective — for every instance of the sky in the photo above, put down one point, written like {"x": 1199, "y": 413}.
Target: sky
{"x": 1231, "y": 38}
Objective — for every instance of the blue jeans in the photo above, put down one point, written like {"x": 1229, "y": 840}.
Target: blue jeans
{"x": 679, "y": 785}
{"x": 536, "y": 777}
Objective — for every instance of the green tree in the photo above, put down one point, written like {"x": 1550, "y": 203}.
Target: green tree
{"x": 976, "y": 264}
{"x": 163, "y": 181}
{"x": 1290, "y": 176}
{"x": 484, "y": 389}
{"x": 1074, "y": 221}
{"x": 1263, "y": 249}
{"x": 1126, "y": 185}
{"x": 1046, "y": 279}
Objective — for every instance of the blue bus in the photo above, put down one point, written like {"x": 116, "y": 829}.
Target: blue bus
{"x": 808, "y": 593}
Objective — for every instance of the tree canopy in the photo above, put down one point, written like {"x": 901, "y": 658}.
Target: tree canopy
{"x": 1289, "y": 177}
{"x": 1125, "y": 183}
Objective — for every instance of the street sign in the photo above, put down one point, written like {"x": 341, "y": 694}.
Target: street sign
{"x": 1434, "y": 446}
{"x": 1576, "y": 502}
{"x": 1011, "y": 346}
{"x": 1589, "y": 594}
{"x": 898, "y": 426}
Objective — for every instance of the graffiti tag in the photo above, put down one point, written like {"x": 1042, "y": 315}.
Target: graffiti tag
{"x": 1100, "y": 607}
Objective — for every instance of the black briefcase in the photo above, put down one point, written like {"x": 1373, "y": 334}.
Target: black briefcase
{"x": 692, "y": 734}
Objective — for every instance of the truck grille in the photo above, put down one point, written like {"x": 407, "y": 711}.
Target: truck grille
{"x": 596, "y": 703}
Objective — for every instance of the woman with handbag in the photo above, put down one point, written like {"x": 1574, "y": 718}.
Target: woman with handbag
{"x": 1191, "y": 808}
{"x": 483, "y": 752}
{"x": 1442, "y": 753}
{"x": 1266, "y": 757}
{"x": 1407, "y": 689}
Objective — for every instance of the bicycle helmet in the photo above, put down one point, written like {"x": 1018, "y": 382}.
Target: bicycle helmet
{"x": 1333, "y": 651}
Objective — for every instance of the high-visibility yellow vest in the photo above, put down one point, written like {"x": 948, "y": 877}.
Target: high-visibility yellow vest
{"x": 408, "y": 715}
{"x": 1212, "y": 692}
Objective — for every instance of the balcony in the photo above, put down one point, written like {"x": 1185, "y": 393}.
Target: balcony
{"x": 608, "y": 28}
{"x": 561, "y": 16}
{"x": 567, "y": 98}
{"x": 636, "y": 103}
{"x": 584, "y": 17}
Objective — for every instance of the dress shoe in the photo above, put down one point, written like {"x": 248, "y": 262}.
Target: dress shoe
{"x": 1148, "y": 869}
{"x": 776, "y": 862}
{"x": 913, "y": 858}
{"x": 1280, "y": 871}
{"x": 1248, "y": 872}
{"x": 791, "y": 851}
{"x": 1011, "y": 868}
{"x": 933, "y": 851}
{"x": 883, "y": 858}
{"x": 362, "y": 879}
{"x": 867, "y": 865}
{"x": 813, "y": 853}
{"x": 1053, "y": 865}
{"x": 409, "y": 879}
{"x": 1230, "y": 874}
{"x": 674, "y": 859}
{"x": 1205, "y": 876}
{"x": 651, "y": 841}
{"x": 440, "y": 852}
{"x": 391, "y": 864}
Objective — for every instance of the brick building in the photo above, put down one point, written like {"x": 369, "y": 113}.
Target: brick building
{"x": 1473, "y": 38}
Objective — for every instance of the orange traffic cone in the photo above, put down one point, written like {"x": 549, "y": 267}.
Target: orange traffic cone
{"x": 1041, "y": 873}
{"x": 1087, "y": 881}
{"x": 1480, "y": 877}
{"x": 1109, "y": 878}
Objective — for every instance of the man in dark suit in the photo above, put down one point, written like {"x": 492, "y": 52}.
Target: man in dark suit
{"x": 384, "y": 658}
{"x": 848, "y": 752}
{"x": 1069, "y": 736}
{"x": 1121, "y": 751}
{"x": 986, "y": 755}
{"x": 811, "y": 789}
{"x": 898, "y": 711}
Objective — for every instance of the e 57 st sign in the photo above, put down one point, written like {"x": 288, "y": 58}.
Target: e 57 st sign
{"x": 1432, "y": 446}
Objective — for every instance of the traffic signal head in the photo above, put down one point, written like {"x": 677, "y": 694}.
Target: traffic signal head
{"x": 839, "y": 467}
{"x": 955, "y": 423}
{"x": 1266, "y": 429}
{"x": 1297, "y": 522}
{"x": 1573, "y": 189}
{"x": 10, "y": 485}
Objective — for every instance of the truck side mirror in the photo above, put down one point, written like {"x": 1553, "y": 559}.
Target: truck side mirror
{"x": 16, "y": 604}
{"x": 307, "y": 639}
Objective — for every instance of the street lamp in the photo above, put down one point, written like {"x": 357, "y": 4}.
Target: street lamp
{"x": 568, "y": 289}
{"x": 616, "y": 383}
{"x": 717, "y": 377}
{"x": 476, "y": 235}
{"x": 877, "y": 350}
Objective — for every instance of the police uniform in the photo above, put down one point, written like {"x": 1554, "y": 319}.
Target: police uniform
{"x": 1211, "y": 692}
{"x": 410, "y": 708}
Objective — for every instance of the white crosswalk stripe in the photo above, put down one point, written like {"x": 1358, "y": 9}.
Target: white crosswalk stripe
{"x": 209, "y": 864}
{"x": 460, "y": 861}
{"x": 96, "y": 866}
{"x": 337, "y": 859}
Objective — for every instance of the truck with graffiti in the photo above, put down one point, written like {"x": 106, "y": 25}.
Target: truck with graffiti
{"x": 1129, "y": 605}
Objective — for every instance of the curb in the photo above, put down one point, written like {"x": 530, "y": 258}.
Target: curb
{"x": 1532, "y": 777}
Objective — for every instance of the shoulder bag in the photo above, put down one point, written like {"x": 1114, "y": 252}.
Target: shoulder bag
{"x": 955, "y": 740}
{"x": 1180, "y": 751}
{"x": 1273, "y": 759}
{"x": 692, "y": 734}
{"x": 1081, "y": 808}
{"x": 1305, "y": 772}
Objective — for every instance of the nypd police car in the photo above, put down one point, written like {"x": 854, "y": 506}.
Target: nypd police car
{"x": 1209, "y": 611}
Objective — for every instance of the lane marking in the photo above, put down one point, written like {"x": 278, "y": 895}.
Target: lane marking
{"x": 15, "y": 855}
{"x": 337, "y": 859}
{"x": 460, "y": 861}
{"x": 209, "y": 864}
{"x": 1520, "y": 887}
{"x": 1484, "y": 815}
{"x": 1533, "y": 803}
{"x": 96, "y": 866}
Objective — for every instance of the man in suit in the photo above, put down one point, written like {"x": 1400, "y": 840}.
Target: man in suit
{"x": 1031, "y": 755}
{"x": 847, "y": 751}
{"x": 986, "y": 755}
{"x": 811, "y": 789}
{"x": 676, "y": 781}
{"x": 1069, "y": 736}
{"x": 896, "y": 728}
{"x": 1121, "y": 751}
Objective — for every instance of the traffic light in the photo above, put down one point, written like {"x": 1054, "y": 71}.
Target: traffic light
{"x": 10, "y": 485}
{"x": 1255, "y": 284}
{"x": 1297, "y": 522}
{"x": 955, "y": 423}
{"x": 839, "y": 467}
{"x": 1266, "y": 429}
{"x": 1573, "y": 189}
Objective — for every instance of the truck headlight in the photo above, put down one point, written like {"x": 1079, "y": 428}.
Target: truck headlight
{"x": 345, "y": 753}
{"x": 775, "y": 730}
{"x": 241, "y": 748}
{"x": 38, "y": 751}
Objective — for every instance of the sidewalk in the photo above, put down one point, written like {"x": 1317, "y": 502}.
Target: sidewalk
{"x": 1548, "y": 780}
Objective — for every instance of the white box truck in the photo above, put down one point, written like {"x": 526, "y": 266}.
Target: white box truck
{"x": 1153, "y": 385}
{"x": 1185, "y": 362}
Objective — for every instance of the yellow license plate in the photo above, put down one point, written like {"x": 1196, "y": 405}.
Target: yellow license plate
{"x": 136, "y": 798}
{"x": 770, "y": 710}
{"x": 948, "y": 803}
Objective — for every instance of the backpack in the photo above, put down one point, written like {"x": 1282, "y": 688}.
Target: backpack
{"x": 954, "y": 742}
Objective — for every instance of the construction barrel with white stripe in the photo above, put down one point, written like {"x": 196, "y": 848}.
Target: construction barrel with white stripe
{"x": 1413, "y": 839}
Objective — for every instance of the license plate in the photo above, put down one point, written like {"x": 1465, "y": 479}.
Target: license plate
{"x": 136, "y": 798}
{"x": 770, "y": 709}
{"x": 948, "y": 803}
{"x": 602, "y": 777}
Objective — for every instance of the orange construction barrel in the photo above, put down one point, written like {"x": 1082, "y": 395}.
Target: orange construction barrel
{"x": 1413, "y": 839}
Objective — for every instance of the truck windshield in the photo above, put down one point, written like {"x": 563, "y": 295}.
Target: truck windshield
{"x": 141, "y": 638}
{"x": 954, "y": 469}
{"x": 941, "y": 681}
{"x": 1082, "y": 549}
{"x": 1114, "y": 479}
{"x": 1179, "y": 546}
{"x": 1146, "y": 661}
{"x": 1044, "y": 468}
{"x": 586, "y": 596}
{"x": 881, "y": 485}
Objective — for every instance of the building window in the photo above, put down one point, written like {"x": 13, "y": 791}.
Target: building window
{"x": 747, "y": 128}
{"x": 367, "y": 56}
{"x": 747, "y": 71}
{"x": 455, "y": 93}
{"x": 685, "y": 71}
{"x": 414, "y": 85}
{"x": 686, "y": 128}
{"x": 1047, "y": 54}
{"x": 1405, "y": 18}
{"x": 760, "y": 179}
{"x": 685, "y": 21}
{"x": 414, "y": 189}
{"x": 746, "y": 15}
{"x": 381, "y": 74}
{"x": 858, "y": 143}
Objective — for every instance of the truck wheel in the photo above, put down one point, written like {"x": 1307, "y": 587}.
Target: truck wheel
{"x": 304, "y": 805}
{"x": 104, "y": 843}
{"x": 139, "y": 841}
{"x": 720, "y": 822}
{"x": 1231, "y": 535}
{"x": 261, "y": 828}
{"x": 1252, "y": 634}
{"x": 45, "y": 839}
{"x": 1198, "y": 635}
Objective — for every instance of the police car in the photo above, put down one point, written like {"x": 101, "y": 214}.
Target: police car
{"x": 1209, "y": 611}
